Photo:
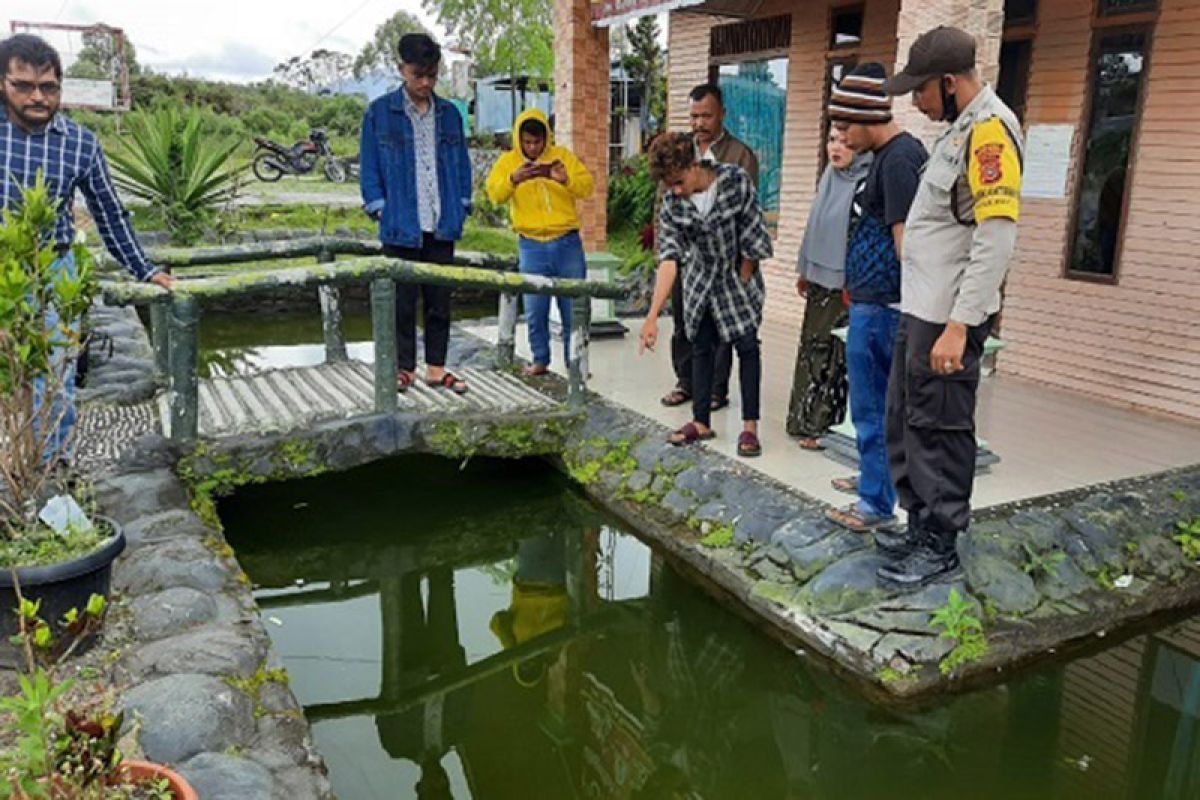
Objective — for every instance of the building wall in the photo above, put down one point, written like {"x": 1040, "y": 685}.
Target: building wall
{"x": 1135, "y": 342}
{"x": 688, "y": 42}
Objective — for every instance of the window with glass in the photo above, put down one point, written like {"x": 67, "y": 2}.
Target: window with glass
{"x": 1117, "y": 80}
{"x": 1020, "y": 12}
{"x": 755, "y": 95}
{"x": 846, "y": 27}
{"x": 1108, "y": 8}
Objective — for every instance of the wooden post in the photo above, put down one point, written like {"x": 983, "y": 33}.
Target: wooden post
{"x": 581, "y": 312}
{"x": 184, "y": 390}
{"x": 383, "y": 322}
{"x": 160, "y": 338}
{"x": 331, "y": 313}
{"x": 506, "y": 342}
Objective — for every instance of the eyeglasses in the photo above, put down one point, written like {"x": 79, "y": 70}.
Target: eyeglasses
{"x": 47, "y": 88}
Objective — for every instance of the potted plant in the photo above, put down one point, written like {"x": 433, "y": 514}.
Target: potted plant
{"x": 58, "y": 553}
{"x": 65, "y": 745}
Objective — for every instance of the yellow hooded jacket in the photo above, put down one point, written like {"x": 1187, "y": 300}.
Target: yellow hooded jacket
{"x": 541, "y": 208}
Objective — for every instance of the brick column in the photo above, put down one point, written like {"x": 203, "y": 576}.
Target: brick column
{"x": 581, "y": 100}
{"x": 982, "y": 18}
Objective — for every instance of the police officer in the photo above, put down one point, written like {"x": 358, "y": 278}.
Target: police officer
{"x": 958, "y": 243}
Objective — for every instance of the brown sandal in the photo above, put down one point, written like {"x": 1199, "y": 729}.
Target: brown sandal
{"x": 535, "y": 371}
{"x": 690, "y": 434}
{"x": 449, "y": 381}
{"x": 846, "y": 485}
{"x": 404, "y": 381}
{"x": 748, "y": 445}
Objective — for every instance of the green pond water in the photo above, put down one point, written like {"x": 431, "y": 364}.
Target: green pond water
{"x": 488, "y": 633}
{"x": 485, "y": 632}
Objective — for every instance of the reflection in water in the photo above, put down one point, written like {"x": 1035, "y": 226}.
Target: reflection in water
{"x": 488, "y": 634}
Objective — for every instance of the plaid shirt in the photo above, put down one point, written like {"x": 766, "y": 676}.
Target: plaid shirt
{"x": 70, "y": 158}
{"x": 710, "y": 249}
{"x": 429, "y": 205}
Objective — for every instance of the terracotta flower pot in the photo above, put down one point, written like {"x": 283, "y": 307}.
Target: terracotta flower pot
{"x": 146, "y": 771}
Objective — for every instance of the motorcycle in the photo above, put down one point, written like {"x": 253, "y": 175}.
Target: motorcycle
{"x": 272, "y": 160}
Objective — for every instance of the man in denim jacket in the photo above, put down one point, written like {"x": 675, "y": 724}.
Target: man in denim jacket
{"x": 416, "y": 182}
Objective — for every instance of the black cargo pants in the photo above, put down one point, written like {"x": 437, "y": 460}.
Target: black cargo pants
{"x": 931, "y": 429}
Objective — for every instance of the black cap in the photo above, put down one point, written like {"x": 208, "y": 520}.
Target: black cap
{"x": 941, "y": 51}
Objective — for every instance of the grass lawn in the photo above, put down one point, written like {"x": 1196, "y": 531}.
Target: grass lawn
{"x": 496, "y": 241}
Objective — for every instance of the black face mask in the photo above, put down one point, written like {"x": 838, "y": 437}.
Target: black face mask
{"x": 949, "y": 104}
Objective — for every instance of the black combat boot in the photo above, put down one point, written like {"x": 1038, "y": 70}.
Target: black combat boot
{"x": 898, "y": 544}
{"x": 935, "y": 558}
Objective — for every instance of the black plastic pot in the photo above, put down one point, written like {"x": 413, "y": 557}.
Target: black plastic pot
{"x": 61, "y": 587}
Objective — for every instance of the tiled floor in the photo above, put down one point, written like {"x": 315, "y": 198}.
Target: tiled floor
{"x": 1048, "y": 440}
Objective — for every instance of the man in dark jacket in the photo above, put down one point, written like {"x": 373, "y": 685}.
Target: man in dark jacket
{"x": 714, "y": 144}
{"x": 416, "y": 182}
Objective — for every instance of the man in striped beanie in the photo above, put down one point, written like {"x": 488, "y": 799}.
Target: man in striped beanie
{"x": 861, "y": 108}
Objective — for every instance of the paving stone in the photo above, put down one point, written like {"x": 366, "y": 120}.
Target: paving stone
{"x": 173, "y": 524}
{"x": 855, "y": 637}
{"x": 914, "y": 648}
{"x": 139, "y": 494}
{"x": 225, "y": 650}
{"x": 638, "y": 481}
{"x": 1100, "y": 540}
{"x": 678, "y": 504}
{"x": 759, "y": 523}
{"x": 1160, "y": 557}
{"x": 715, "y": 511}
{"x": 700, "y": 481}
{"x": 185, "y": 715}
{"x": 171, "y": 611}
{"x": 1009, "y": 588}
{"x": 849, "y": 583}
{"x": 217, "y": 776}
{"x": 1066, "y": 580}
{"x": 176, "y": 562}
{"x": 808, "y": 561}
{"x": 802, "y": 532}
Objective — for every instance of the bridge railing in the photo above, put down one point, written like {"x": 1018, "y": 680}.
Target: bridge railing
{"x": 175, "y": 315}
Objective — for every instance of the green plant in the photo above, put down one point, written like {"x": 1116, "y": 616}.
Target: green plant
{"x": 179, "y": 169}
{"x": 631, "y": 193}
{"x": 42, "y": 302}
{"x": 1188, "y": 538}
{"x": 1036, "y": 563}
{"x": 958, "y": 622}
{"x": 719, "y": 538}
{"x": 62, "y": 749}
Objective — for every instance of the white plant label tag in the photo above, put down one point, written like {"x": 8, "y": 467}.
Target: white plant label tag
{"x": 64, "y": 516}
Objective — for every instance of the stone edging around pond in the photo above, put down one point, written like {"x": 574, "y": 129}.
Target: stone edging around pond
{"x": 188, "y": 655}
{"x": 1038, "y": 576}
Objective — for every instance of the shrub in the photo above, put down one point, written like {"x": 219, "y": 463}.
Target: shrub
{"x": 180, "y": 171}
{"x": 631, "y": 193}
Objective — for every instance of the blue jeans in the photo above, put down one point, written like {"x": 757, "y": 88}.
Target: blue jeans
{"x": 57, "y": 442}
{"x": 557, "y": 258}
{"x": 869, "y": 349}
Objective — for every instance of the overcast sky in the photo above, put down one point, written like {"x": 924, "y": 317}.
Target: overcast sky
{"x": 239, "y": 40}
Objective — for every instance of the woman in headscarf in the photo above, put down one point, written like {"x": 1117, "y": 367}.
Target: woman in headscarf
{"x": 819, "y": 387}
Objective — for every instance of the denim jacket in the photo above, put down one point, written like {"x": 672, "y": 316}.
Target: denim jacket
{"x": 388, "y": 171}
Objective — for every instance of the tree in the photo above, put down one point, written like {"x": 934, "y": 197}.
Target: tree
{"x": 323, "y": 69}
{"x": 379, "y": 56}
{"x": 644, "y": 65}
{"x": 505, "y": 37}
{"x": 98, "y": 59}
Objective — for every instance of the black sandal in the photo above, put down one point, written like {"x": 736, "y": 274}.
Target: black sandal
{"x": 675, "y": 397}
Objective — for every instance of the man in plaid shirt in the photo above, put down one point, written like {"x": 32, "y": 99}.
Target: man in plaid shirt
{"x": 711, "y": 221}
{"x": 35, "y": 138}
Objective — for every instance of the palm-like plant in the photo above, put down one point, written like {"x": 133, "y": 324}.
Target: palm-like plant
{"x": 168, "y": 162}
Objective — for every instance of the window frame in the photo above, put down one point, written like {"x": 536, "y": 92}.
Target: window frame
{"x": 831, "y": 46}
{"x": 1100, "y": 32}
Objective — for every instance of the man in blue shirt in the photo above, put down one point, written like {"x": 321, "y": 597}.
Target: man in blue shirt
{"x": 36, "y": 138}
{"x": 415, "y": 177}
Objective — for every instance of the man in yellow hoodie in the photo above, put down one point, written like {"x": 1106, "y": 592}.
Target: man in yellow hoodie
{"x": 541, "y": 182}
